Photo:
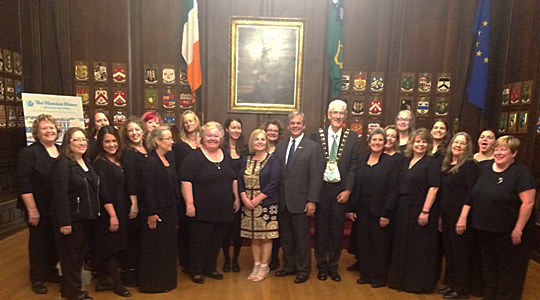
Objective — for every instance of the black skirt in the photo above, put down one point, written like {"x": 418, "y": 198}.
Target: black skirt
{"x": 158, "y": 270}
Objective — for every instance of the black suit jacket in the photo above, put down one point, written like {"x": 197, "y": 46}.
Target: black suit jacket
{"x": 161, "y": 186}
{"x": 301, "y": 182}
{"x": 347, "y": 161}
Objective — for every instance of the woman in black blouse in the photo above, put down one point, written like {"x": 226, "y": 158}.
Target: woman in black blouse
{"x": 373, "y": 202}
{"x": 74, "y": 210}
{"x": 258, "y": 181}
{"x": 458, "y": 177}
{"x": 502, "y": 213}
{"x": 405, "y": 126}
{"x": 234, "y": 145}
{"x": 439, "y": 132}
{"x": 133, "y": 157}
{"x": 190, "y": 141}
{"x": 486, "y": 140}
{"x": 158, "y": 269}
{"x": 97, "y": 120}
{"x": 414, "y": 266}
{"x": 209, "y": 188}
{"x": 111, "y": 237}
{"x": 34, "y": 181}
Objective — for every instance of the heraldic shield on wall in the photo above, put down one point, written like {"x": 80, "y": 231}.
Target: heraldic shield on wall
{"x": 266, "y": 64}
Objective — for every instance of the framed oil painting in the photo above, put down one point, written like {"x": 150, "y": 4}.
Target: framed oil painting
{"x": 266, "y": 63}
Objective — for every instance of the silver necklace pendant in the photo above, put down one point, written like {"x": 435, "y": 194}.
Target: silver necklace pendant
{"x": 500, "y": 180}
{"x": 218, "y": 165}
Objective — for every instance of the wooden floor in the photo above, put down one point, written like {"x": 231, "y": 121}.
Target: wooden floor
{"x": 14, "y": 282}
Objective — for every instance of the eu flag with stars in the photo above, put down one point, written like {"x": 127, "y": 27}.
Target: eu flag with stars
{"x": 478, "y": 84}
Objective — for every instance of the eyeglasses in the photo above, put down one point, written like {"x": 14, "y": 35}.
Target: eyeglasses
{"x": 167, "y": 139}
{"x": 272, "y": 130}
{"x": 403, "y": 119}
{"x": 80, "y": 140}
{"x": 339, "y": 113}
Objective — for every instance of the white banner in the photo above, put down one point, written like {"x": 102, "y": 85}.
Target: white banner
{"x": 66, "y": 110}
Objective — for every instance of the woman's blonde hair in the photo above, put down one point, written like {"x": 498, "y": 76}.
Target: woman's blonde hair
{"x": 153, "y": 136}
{"x": 183, "y": 132}
{"x": 39, "y": 119}
{"x": 252, "y": 138}
{"x": 425, "y": 135}
{"x": 509, "y": 141}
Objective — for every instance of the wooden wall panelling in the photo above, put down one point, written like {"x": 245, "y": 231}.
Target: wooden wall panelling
{"x": 12, "y": 139}
{"x": 161, "y": 44}
{"x": 99, "y": 33}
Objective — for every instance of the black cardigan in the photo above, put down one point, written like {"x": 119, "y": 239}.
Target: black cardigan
{"x": 160, "y": 184}
{"x": 34, "y": 167}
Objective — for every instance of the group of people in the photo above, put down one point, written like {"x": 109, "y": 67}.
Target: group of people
{"x": 130, "y": 204}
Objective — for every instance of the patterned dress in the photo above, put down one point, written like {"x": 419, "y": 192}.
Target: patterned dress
{"x": 261, "y": 222}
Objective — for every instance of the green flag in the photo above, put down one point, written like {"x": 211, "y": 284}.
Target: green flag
{"x": 335, "y": 46}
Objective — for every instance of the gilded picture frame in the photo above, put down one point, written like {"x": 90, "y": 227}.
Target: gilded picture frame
{"x": 266, "y": 63}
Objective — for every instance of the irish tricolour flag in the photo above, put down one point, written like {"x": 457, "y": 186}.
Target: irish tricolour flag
{"x": 190, "y": 45}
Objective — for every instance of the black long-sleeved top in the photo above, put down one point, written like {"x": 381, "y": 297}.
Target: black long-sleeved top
{"x": 75, "y": 192}
{"x": 416, "y": 181}
{"x": 376, "y": 187}
{"x": 133, "y": 164}
{"x": 456, "y": 188}
{"x": 268, "y": 180}
{"x": 34, "y": 167}
{"x": 161, "y": 186}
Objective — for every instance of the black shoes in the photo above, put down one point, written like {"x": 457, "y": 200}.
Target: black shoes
{"x": 322, "y": 276}
{"x": 199, "y": 279}
{"x": 104, "y": 286}
{"x": 444, "y": 290}
{"x": 214, "y": 275}
{"x": 377, "y": 285}
{"x": 300, "y": 279}
{"x": 334, "y": 275}
{"x": 361, "y": 281}
{"x": 284, "y": 273}
{"x": 455, "y": 295}
{"x": 39, "y": 287}
{"x": 354, "y": 267}
{"x": 122, "y": 291}
{"x": 235, "y": 266}
{"x": 227, "y": 266}
{"x": 83, "y": 296}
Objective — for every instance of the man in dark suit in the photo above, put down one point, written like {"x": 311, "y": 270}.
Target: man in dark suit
{"x": 299, "y": 191}
{"x": 340, "y": 149}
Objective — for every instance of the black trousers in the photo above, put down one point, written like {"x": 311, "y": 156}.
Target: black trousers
{"x": 374, "y": 248}
{"x": 130, "y": 258}
{"x": 295, "y": 239}
{"x": 205, "y": 240}
{"x": 72, "y": 251}
{"x": 462, "y": 260}
{"x": 42, "y": 251}
{"x": 329, "y": 222}
{"x": 504, "y": 264}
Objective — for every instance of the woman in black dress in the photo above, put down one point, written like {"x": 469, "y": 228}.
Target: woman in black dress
{"x": 97, "y": 120}
{"x": 34, "y": 182}
{"x": 158, "y": 269}
{"x": 405, "y": 126}
{"x": 74, "y": 210}
{"x": 234, "y": 145}
{"x": 209, "y": 188}
{"x": 374, "y": 199}
{"x": 258, "y": 181}
{"x": 486, "y": 140}
{"x": 190, "y": 141}
{"x": 439, "y": 132}
{"x": 458, "y": 177}
{"x": 111, "y": 235}
{"x": 133, "y": 157}
{"x": 414, "y": 266}
{"x": 503, "y": 214}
